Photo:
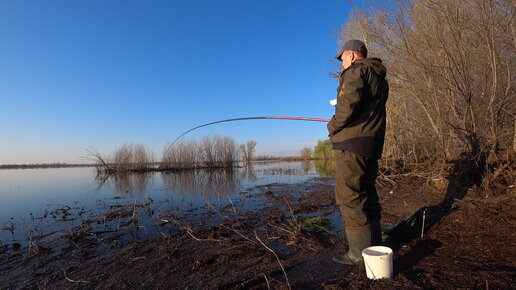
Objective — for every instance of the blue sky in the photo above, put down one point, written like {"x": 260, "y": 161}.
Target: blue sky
{"x": 82, "y": 74}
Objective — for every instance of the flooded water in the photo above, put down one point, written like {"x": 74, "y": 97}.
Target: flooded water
{"x": 43, "y": 201}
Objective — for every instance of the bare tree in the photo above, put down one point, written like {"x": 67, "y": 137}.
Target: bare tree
{"x": 247, "y": 150}
{"x": 306, "y": 153}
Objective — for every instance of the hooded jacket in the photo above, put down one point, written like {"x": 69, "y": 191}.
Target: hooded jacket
{"x": 359, "y": 122}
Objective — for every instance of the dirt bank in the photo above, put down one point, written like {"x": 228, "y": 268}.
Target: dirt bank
{"x": 469, "y": 243}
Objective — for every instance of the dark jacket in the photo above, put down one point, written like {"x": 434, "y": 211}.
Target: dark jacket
{"x": 358, "y": 125}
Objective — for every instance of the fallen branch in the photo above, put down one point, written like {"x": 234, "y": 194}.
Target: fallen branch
{"x": 277, "y": 258}
{"x": 75, "y": 281}
{"x": 383, "y": 177}
{"x": 294, "y": 235}
{"x": 267, "y": 280}
{"x": 188, "y": 230}
{"x": 232, "y": 205}
{"x": 216, "y": 211}
{"x": 296, "y": 223}
{"x": 240, "y": 234}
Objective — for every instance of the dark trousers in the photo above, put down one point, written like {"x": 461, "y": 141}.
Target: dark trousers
{"x": 355, "y": 190}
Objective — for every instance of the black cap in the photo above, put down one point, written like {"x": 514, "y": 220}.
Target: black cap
{"x": 355, "y": 45}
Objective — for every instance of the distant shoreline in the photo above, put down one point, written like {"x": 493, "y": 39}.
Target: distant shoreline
{"x": 70, "y": 165}
{"x": 43, "y": 165}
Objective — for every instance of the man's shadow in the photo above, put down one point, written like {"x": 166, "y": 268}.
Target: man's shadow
{"x": 468, "y": 171}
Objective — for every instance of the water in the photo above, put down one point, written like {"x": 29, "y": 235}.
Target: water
{"x": 43, "y": 201}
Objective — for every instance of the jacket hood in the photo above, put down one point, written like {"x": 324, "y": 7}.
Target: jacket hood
{"x": 375, "y": 64}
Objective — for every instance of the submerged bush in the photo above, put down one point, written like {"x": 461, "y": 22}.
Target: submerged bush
{"x": 127, "y": 158}
{"x": 210, "y": 152}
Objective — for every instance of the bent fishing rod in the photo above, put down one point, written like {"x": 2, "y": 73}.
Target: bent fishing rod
{"x": 253, "y": 118}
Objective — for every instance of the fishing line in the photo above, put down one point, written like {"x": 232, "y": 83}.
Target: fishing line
{"x": 253, "y": 118}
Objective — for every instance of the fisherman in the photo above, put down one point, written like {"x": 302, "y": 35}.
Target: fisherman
{"x": 357, "y": 132}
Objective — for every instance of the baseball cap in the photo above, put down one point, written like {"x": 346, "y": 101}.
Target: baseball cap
{"x": 355, "y": 45}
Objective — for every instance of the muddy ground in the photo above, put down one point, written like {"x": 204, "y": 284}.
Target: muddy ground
{"x": 468, "y": 243}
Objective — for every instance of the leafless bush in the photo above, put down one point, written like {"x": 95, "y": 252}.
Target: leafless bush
{"x": 142, "y": 158}
{"x": 210, "y": 152}
{"x": 123, "y": 157}
{"x": 169, "y": 159}
{"x": 127, "y": 158}
{"x": 228, "y": 150}
{"x": 182, "y": 155}
{"x": 102, "y": 164}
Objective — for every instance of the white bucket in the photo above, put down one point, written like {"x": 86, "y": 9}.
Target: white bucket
{"x": 378, "y": 262}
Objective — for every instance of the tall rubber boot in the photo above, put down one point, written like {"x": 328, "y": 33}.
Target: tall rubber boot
{"x": 358, "y": 240}
{"x": 376, "y": 232}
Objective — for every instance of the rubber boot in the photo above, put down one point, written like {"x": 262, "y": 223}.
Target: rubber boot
{"x": 357, "y": 240}
{"x": 376, "y": 232}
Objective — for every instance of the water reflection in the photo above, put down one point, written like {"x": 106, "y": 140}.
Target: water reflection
{"x": 325, "y": 167}
{"x": 132, "y": 183}
{"x": 137, "y": 183}
{"x": 248, "y": 172}
{"x": 209, "y": 183}
{"x": 35, "y": 193}
{"x": 306, "y": 165}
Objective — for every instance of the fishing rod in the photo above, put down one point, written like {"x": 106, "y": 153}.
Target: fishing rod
{"x": 253, "y": 118}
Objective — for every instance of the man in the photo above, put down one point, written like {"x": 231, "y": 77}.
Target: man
{"x": 357, "y": 132}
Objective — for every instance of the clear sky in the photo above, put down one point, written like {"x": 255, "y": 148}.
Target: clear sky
{"x": 82, "y": 74}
